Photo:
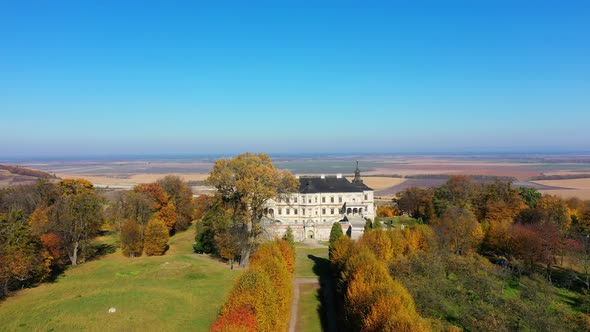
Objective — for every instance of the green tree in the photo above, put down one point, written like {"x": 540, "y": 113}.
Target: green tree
{"x": 247, "y": 182}
{"x": 531, "y": 196}
{"x": 289, "y": 238}
{"x": 335, "y": 234}
{"x": 368, "y": 225}
{"x": 377, "y": 224}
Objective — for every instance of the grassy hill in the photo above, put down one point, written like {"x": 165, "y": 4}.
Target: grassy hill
{"x": 175, "y": 292}
{"x": 15, "y": 175}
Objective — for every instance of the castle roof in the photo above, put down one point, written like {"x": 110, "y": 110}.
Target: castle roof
{"x": 329, "y": 184}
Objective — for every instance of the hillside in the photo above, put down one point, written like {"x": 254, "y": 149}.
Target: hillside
{"x": 16, "y": 175}
{"x": 174, "y": 292}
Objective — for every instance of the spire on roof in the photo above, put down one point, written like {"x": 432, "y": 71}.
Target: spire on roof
{"x": 357, "y": 175}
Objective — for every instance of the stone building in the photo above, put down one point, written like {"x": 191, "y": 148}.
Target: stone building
{"x": 320, "y": 202}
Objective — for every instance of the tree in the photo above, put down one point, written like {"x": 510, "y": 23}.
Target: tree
{"x": 458, "y": 229}
{"x": 459, "y": 190}
{"x": 22, "y": 257}
{"x": 531, "y": 196}
{"x": 131, "y": 239}
{"x": 247, "y": 182}
{"x": 335, "y": 234}
{"x": 417, "y": 202}
{"x": 289, "y": 238}
{"x": 368, "y": 225}
{"x": 76, "y": 216}
{"x": 179, "y": 193}
{"x": 168, "y": 215}
{"x": 155, "y": 237}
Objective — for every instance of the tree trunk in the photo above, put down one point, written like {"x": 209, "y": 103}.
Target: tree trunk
{"x": 245, "y": 256}
{"x": 74, "y": 255}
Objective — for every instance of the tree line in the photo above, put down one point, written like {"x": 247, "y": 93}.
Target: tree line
{"x": 46, "y": 226}
{"x": 488, "y": 257}
{"x": 260, "y": 300}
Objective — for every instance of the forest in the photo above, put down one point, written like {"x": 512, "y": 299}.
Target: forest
{"x": 481, "y": 257}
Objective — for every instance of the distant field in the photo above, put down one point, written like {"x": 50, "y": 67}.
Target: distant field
{"x": 176, "y": 292}
{"x": 568, "y": 183}
{"x": 378, "y": 183}
{"x": 128, "y": 182}
{"x": 569, "y": 193}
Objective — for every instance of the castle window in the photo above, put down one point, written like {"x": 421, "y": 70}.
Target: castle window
{"x": 287, "y": 200}
{"x": 365, "y": 209}
{"x": 280, "y": 211}
{"x": 366, "y": 197}
{"x": 294, "y": 211}
{"x": 332, "y": 199}
{"x": 316, "y": 199}
{"x": 295, "y": 199}
{"x": 323, "y": 199}
{"x": 302, "y": 211}
{"x": 339, "y": 199}
{"x": 288, "y": 210}
{"x": 331, "y": 211}
{"x": 323, "y": 211}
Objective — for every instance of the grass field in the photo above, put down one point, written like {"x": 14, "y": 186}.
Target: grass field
{"x": 310, "y": 262}
{"x": 175, "y": 292}
{"x": 308, "y": 318}
{"x": 304, "y": 264}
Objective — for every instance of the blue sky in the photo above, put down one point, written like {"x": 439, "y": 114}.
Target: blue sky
{"x": 148, "y": 77}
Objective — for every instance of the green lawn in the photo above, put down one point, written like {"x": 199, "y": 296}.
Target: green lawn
{"x": 175, "y": 292}
{"x": 308, "y": 318}
{"x": 304, "y": 260}
{"x": 310, "y": 262}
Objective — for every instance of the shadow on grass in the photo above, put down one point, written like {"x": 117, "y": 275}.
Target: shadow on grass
{"x": 325, "y": 295}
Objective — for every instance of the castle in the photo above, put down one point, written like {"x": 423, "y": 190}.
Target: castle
{"x": 320, "y": 202}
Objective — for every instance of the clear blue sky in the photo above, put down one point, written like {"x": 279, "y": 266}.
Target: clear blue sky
{"x": 100, "y": 77}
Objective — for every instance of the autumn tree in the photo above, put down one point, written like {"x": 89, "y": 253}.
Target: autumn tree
{"x": 22, "y": 256}
{"x": 131, "y": 239}
{"x": 458, "y": 229}
{"x": 76, "y": 215}
{"x": 417, "y": 202}
{"x": 179, "y": 193}
{"x": 155, "y": 237}
{"x": 459, "y": 191}
{"x": 247, "y": 182}
{"x": 168, "y": 216}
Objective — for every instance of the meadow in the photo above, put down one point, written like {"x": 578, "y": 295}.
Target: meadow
{"x": 175, "y": 292}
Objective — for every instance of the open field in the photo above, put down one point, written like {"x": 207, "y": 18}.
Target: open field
{"x": 128, "y": 182}
{"x": 124, "y": 174}
{"x": 569, "y": 183}
{"x": 380, "y": 182}
{"x": 175, "y": 292}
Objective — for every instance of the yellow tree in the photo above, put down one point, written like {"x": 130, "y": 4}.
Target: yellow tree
{"x": 247, "y": 182}
{"x": 155, "y": 237}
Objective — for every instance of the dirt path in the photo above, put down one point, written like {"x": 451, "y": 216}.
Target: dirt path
{"x": 295, "y": 303}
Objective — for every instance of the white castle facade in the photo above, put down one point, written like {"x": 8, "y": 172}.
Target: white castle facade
{"x": 320, "y": 202}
